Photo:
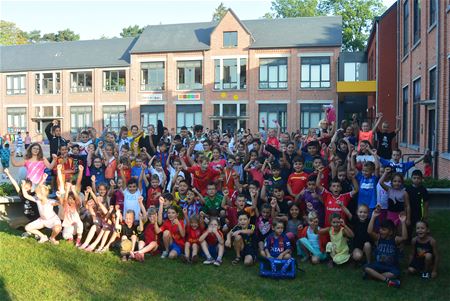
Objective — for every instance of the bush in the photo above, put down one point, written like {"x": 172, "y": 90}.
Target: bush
{"x": 7, "y": 189}
{"x": 432, "y": 183}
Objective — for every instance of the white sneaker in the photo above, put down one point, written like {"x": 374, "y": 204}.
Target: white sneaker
{"x": 25, "y": 235}
{"x": 164, "y": 254}
{"x": 43, "y": 239}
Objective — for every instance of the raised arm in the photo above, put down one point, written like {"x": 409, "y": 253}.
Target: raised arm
{"x": 370, "y": 230}
{"x": 16, "y": 163}
{"x": 13, "y": 181}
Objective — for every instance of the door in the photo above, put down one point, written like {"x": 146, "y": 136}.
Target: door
{"x": 229, "y": 124}
{"x": 431, "y": 129}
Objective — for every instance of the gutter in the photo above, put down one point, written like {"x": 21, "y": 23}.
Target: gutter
{"x": 377, "y": 67}
{"x": 436, "y": 118}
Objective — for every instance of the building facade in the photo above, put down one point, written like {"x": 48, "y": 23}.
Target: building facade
{"x": 230, "y": 74}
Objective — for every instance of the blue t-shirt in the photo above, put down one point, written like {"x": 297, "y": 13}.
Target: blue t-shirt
{"x": 136, "y": 173}
{"x": 99, "y": 174}
{"x": 401, "y": 167}
{"x": 277, "y": 245}
{"x": 387, "y": 252}
{"x": 367, "y": 190}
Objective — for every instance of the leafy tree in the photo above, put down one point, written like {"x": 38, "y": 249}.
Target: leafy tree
{"x": 48, "y": 37}
{"x": 10, "y": 34}
{"x": 295, "y": 8}
{"x": 66, "y": 35}
{"x": 34, "y": 36}
{"x": 131, "y": 31}
{"x": 219, "y": 12}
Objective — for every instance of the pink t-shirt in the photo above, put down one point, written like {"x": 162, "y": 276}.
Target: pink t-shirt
{"x": 35, "y": 170}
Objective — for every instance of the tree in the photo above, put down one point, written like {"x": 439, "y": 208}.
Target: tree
{"x": 34, "y": 36}
{"x": 219, "y": 12}
{"x": 131, "y": 31}
{"x": 66, "y": 35}
{"x": 357, "y": 16}
{"x": 10, "y": 34}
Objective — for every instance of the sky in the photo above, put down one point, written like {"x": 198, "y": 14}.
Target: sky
{"x": 94, "y": 19}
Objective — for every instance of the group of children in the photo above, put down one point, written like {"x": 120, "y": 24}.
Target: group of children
{"x": 322, "y": 197}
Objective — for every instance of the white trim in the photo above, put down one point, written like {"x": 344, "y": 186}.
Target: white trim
{"x": 312, "y": 54}
{"x": 318, "y": 101}
{"x": 151, "y": 102}
{"x": 80, "y": 104}
{"x": 273, "y": 102}
{"x": 188, "y": 58}
{"x": 218, "y": 57}
{"x": 46, "y": 104}
{"x": 416, "y": 78}
{"x": 271, "y": 55}
{"x": 114, "y": 104}
{"x": 81, "y": 70}
{"x": 406, "y": 85}
{"x": 15, "y": 106}
{"x": 189, "y": 102}
{"x": 47, "y": 71}
{"x": 228, "y": 102}
{"x": 112, "y": 68}
{"x": 15, "y": 73}
{"x": 151, "y": 59}
{"x": 431, "y": 68}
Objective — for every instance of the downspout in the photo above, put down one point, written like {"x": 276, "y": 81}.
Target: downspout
{"x": 398, "y": 69}
{"x": 436, "y": 114}
{"x": 376, "y": 67}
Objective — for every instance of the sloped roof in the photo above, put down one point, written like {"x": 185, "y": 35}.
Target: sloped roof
{"x": 66, "y": 55}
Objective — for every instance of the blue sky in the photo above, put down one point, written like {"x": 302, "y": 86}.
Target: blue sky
{"x": 92, "y": 19}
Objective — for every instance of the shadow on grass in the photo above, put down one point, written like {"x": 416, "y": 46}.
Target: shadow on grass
{"x": 4, "y": 295}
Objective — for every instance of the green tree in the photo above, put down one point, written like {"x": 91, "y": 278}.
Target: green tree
{"x": 295, "y": 8}
{"x": 34, "y": 36}
{"x": 66, "y": 35}
{"x": 219, "y": 12}
{"x": 10, "y": 34}
{"x": 131, "y": 31}
{"x": 48, "y": 37}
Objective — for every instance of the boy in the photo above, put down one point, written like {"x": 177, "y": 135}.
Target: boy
{"x": 212, "y": 200}
{"x": 384, "y": 139}
{"x": 418, "y": 198}
{"x": 312, "y": 152}
{"x": 400, "y": 167}
{"x": 367, "y": 180}
{"x": 202, "y": 175}
{"x": 19, "y": 144}
{"x": 297, "y": 180}
{"x": 53, "y": 132}
{"x": 243, "y": 240}
{"x": 132, "y": 192}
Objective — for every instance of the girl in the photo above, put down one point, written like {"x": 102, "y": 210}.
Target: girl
{"x": 173, "y": 234}
{"x": 339, "y": 233}
{"x": 361, "y": 242}
{"x": 425, "y": 258}
{"x": 312, "y": 199}
{"x": 212, "y": 243}
{"x": 149, "y": 241}
{"x": 277, "y": 244}
{"x": 294, "y": 223}
{"x": 312, "y": 243}
{"x": 72, "y": 223}
{"x": 96, "y": 168}
{"x": 35, "y": 163}
{"x": 194, "y": 229}
{"x": 154, "y": 192}
{"x": 48, "y": 218}
{"x": 217, "y": 162}
{"x": 243, "y": 240}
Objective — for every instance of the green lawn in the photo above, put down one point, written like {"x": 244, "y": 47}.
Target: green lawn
{"x": 29, "y": 271}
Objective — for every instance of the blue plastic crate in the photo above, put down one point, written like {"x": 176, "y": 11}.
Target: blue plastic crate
{"x": 278, "y": 268}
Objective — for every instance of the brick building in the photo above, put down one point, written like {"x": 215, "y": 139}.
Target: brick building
{"x": 229, "y": 74}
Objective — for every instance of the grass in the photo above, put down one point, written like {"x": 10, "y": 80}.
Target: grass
{"x": 29, "y": 271}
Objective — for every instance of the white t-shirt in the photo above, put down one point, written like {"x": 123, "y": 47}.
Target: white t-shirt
{"x": 382, "y": 196}
{"x": 46, "y": 210}
{"x": 131, "y": 203}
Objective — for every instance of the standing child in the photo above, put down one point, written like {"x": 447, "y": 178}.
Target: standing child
{"x": 425, "y": 258}
{"x": 418, "y": 198}
{"x": 19, "y": 145}
{"x": 27, "y": 140}
{"x": 338, "y": 245}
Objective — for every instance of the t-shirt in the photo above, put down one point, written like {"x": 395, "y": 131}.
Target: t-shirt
{"x": 153, "y": 195}
{"x": 387, "y": 252}
{"x": 129, "y": 231}
{"x": 367, "y": 194}
{"x": 277, "y": 245}
{"x": 360, "y": 229}
{"x": 117, "y": 198}
{"x": 46, "y": 211}
{"x": 149, "y": 233}
{"x": 401, "y": 167}
{"x": 202, "y": 177}
{"x": 365, "y": 136}
{"x": 136, "y": 173}
{"x": 174, "y": 232}
{"x": 110, "y": 170}
{"x": 193, "y": 234}
{"x": 263, "y": 227}
{"x": 313, "y": 204}
{"x": 257, "y": 176}
{"x": 248, "y": 239}
{"x": 331, "y": 204}
{"x": 213, "y": 202}
{"x": 99, "y": 174}
{"x": 211, "y": 238}
{"x": 297, "y": 181}
{"x": 274, "y": 142}
{"x": 384, "y": 147}
{"x": 418, "y": 196}
{"x": 131, "y": 203}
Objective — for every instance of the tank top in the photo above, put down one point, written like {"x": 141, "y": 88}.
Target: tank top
{"x": 35, "y": 170}
{"x": 387, "y": 252}
{"x": 313, "y": 238}
{"x": 396, "y": 200}
{"x": 422, "y": 248}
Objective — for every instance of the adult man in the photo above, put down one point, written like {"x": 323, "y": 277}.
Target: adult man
{"x": 53, "y": 132}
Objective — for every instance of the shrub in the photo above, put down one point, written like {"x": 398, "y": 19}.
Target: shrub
{"x": 432, "y": 183}
{"x": 7, "y": 189}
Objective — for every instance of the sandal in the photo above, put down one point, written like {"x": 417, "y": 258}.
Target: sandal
{"x": 236, "y": 260}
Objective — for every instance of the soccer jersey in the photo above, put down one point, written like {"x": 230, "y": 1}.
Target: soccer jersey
{"x": 331, "y": 204}
{"x": 174, "y": 232}
{"x": 297, "y": 181}
{"x": 277, "y": 245}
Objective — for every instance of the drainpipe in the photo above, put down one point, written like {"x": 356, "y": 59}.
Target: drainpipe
{"x": 398, "y": 69}
{"x": 436, "y": 114}
{"x": 376, "y": 68}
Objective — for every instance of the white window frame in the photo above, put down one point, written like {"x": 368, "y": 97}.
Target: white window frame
{"x": 22, "y": 120}
{"x": 238, "y": 66}
{"x": 39, "y": 90}
{"x": 22, "y": 84}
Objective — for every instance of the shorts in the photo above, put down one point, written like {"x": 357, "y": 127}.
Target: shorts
{"x": 418, "y": 263}
{"x": 213, "y": 250}
{"x": 5, "y": 163}
{"x": 47, "y": 223}
{"x": 69, "y": 231}
{"x": 248, "y": 250}
{"x": 176, "y": 248}
{"x": 394, "y": 217}
{"x": 384, "y": 268}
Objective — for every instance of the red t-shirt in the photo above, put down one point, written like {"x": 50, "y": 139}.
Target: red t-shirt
{"x": 193, "y": 234}
{"x": 149, "y": 233}
{"x": 297, "y": 181}
{"x": 229, "y": 180}
{"x": 325, "y": 179}
{"x": 126, "y": 172}
{"x": 257, "y": 175}
{"x": 174, "y": 232}
{"x": 153, "y": 196}
{"x": 118, "y": 199}
{"x": 202, "y": 178}
{"x": 330, "y": 203}
{"x": 212, "y": 240}
{"x": 274, "y": 142}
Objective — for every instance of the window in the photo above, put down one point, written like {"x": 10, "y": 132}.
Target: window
{"x": 432, "y": 12}
{"x": 189, "y": 74}
{"x": 114, "y": 117}
{"x": 271, "y": 112}
{"x": 48, "y": 83}
{"x": 432, "y": 82}
{"x": 230, "y": 39}
{"x": 15, "y": 84}
{"x": 416, "y": 112}
{"x": 47, "y": 111}
{"x": 355, "y": 72}
{"x": 230, "y": 74}
{"x": 311, "y": 114}
{"x": 188, "y": 116}
{"x": 153, "y": 76}
{"x": 273, "y": 73}
{"x": 315, "y": 72}
{"x": 81, "y": 81}
{"x": 405, "y": 115}
{"x": 16, "y": 119}
{"x": 150, "y": 114}
{"x": 114, "y": 81}
{"x": 416, "y": 20}
{"x": 80, "y": 119}
{"x": 405, "y": 27}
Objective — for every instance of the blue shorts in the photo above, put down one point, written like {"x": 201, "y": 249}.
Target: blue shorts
{"x": 383, "y": 268}
{"x": 176, "y": 248}
{"x": 213, "y": 250}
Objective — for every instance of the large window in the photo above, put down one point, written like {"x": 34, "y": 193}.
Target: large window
{"x": 432, "y": 12}
{"x": 47, "y": 111}
{"x": 150, "y": 114}
{"x": 230, "y": 74}
{"x": 15, "y": 84}
{"x": 114, "y": 117}
{"x": 271, "y": 112}
{"x": 153, "y": 76}
{"x": 315, "y": 72}
{"x": 188, "y": 115}
{"x": 81, "y": 81}
{"x": 114, "y": 81}
{"x": 355, "y": 72}
{"x": 273, "y": 73}
{"x": 16, "y": 120}
{"x": 230, "y": 39}
{"x": 189, "y": 75}
{"x": 405, "y": 115}
{"x": 416, "y": 112}
{"x": 416, "y": 28}
{"x": 48, "y": 83}
{"x": 432, "y": 82}
{"x": 310, "y": 116}
{"x": 80, "y": 118}
{"x": 405, "y": 27}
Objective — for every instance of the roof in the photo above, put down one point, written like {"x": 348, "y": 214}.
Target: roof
{"x": 296, "y": 32}
{"x": 66, "y": 55}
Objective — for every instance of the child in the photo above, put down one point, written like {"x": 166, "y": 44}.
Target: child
{"x": 19, "y": 144}
{"x": 400, "y": 167}
{"x": 72, "y": 223}
{"x": 201, "y": 174}
{"x": 129, "y": 236}
{"x": 386, "y": 266}
{"x": 425, "y": 258}
{"x": 277, "y": 244}
{"x": 365, "y": 133}
{"x": 5, "y": 155}
{"x": 154, "y": 192}
{"x": 298, "y": 179}
{"x": 27, "y": 140}
{"x": 418, "y": 198}
{"x": 312, "y": 200}
{"x": 294, "y": 223}
{"x": 149, "y": 239}
{"x": 212, "y": 200}
{"x": 212, "y": 243}
{"x": 361, "y": 243}
{"x": 339, "y": 234}
{"x": 131, "y": 194}
{"x": 264, "y": 226}
{"x": 194, "y": 229}
{"x": 243, "y": 240}
{"x": 173, "y": 234}
{"x": 367, "y": 181}
{"x": 311, "y": 243}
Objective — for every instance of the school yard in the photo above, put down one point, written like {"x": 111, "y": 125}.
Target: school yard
{"x": 29, "y": 271}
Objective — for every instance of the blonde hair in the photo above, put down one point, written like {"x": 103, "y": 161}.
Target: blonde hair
{"x": 312, "y": 215}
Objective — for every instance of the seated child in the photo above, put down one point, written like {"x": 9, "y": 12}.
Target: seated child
{"x": 194, "y": 229}
{"x": 129, "y": 236}
{"x": 361, "y": 243}
{"x": 242, "y": 238}
{"x": 425, "y": 258}
{"x": 173, "y": 234}
{"x": 277, "y": 244}
{"x": 212, "y": 243}
{"x": 149, "y": 239}
{"x": 312, "y": 244}
{"x": 338, "y": 245}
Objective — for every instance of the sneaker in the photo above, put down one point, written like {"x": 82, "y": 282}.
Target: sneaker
{"x": 218, "y": 262}
{"x": 54, "y": 241}
{"x": 78, "y": 243}
{"x": 25, "y": 235}
{"x": 164, "y": 254}
{"x": 194, "y": 259}
{"x": 124, "y": 258}
{"x": 393, "y": 283}
{"x": 425, "y": 276}
{"x": 43, "y": 239}
{"x": 209, "y": 261}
